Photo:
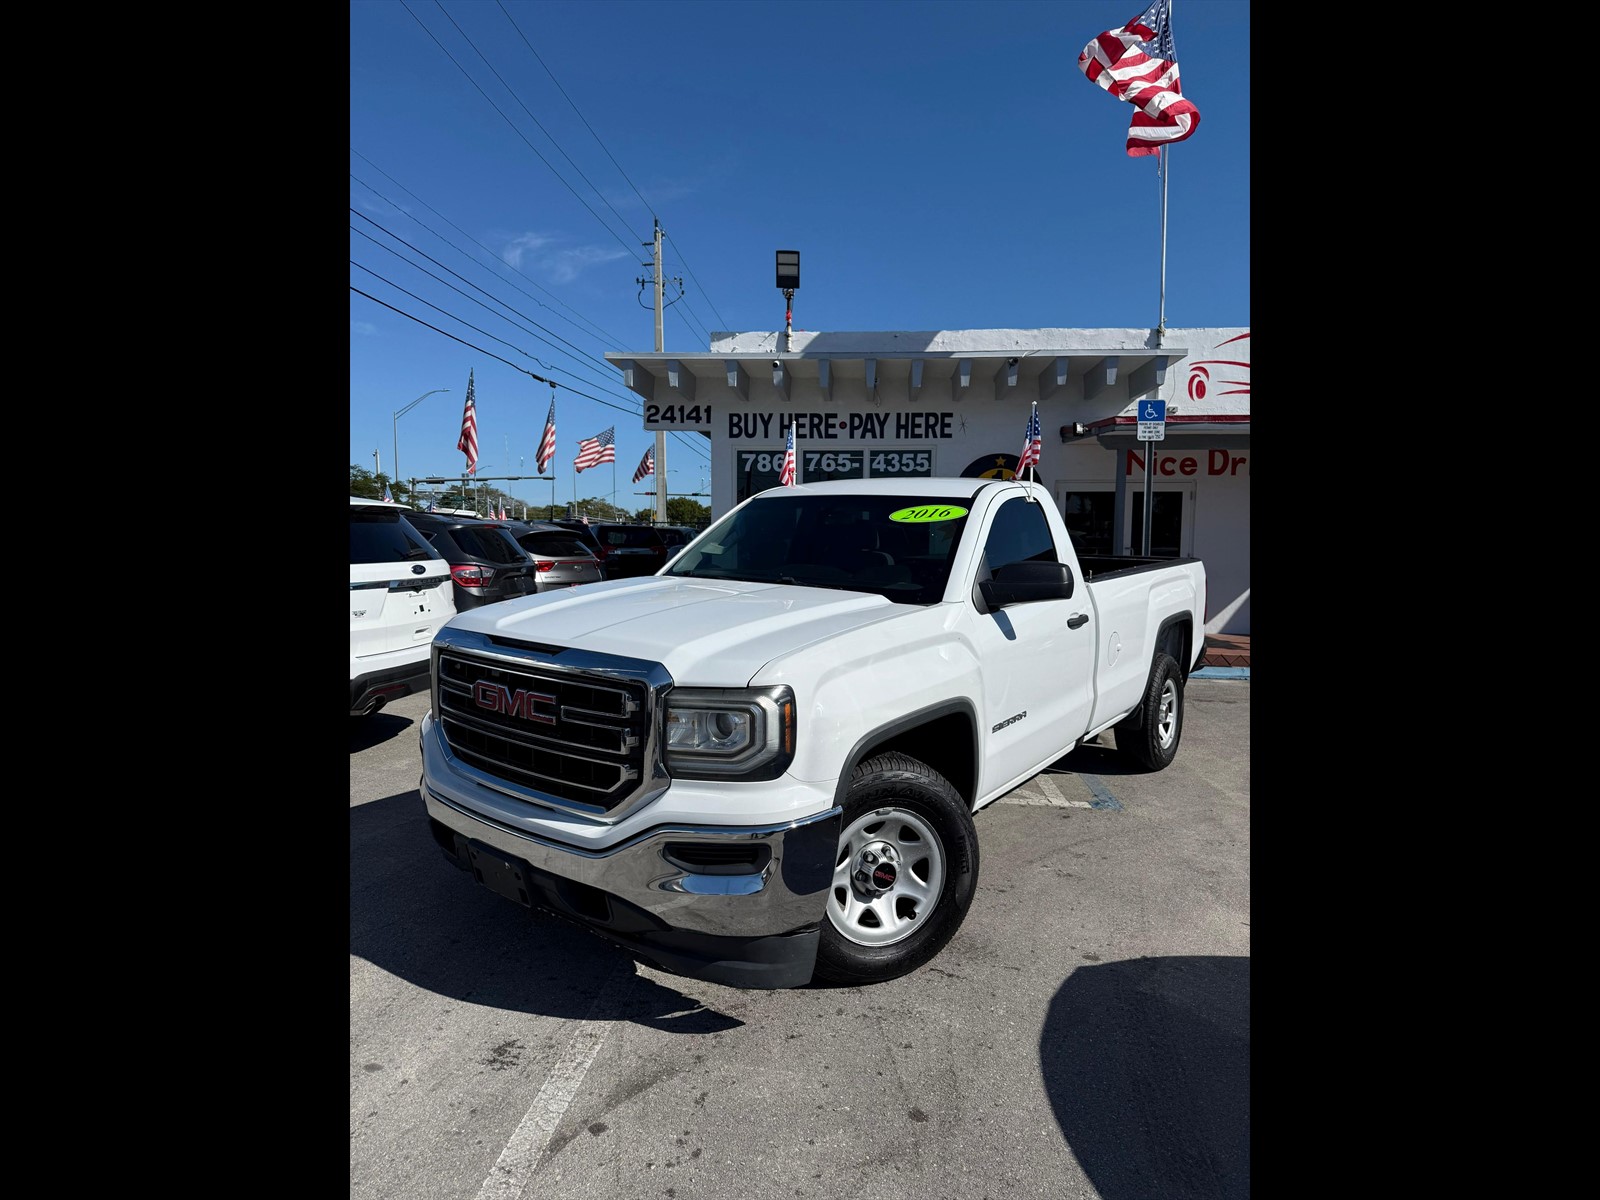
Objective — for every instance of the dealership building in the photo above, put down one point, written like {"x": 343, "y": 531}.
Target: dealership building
{"x": 957, "y": 402}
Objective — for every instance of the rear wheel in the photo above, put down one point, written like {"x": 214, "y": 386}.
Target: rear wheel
{"x": 1148, "y": 737}
{"x": 904, "y": 874}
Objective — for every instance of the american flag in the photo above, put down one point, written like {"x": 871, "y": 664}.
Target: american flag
{"x": 501, "y": 515}
{"x": 647, "y": 465}
{"x": 468, "y": 442}
{"x": 1030, "y": 444}
{"x": 387, "y": 499}
{"x": 786, "y": 473}
{"x": 1139, "y": 63}
{"x": 547, "y": 444}
{"x": 596, "y": 450}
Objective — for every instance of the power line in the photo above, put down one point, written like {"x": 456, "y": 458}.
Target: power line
{"x": 604, "y": 382}
{"x": 535, "y": 119}
{"x": 605, "y": 334}
{"x": 517, "y": 131}
{"x": 497, "y": 358}
{"x": 697, "y": 284}
{"x": 461, "y": 277}
{"x": 581, "y": 117}
{"x": 648, "y": 206}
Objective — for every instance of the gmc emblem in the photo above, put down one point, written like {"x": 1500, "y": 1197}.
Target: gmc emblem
{"x": 498, "y": 698}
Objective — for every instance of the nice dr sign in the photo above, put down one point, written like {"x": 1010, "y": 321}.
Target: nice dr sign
{"x": 1216, "y": 462}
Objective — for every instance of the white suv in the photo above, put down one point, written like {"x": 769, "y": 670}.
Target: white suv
{"x": 400, "y": 594}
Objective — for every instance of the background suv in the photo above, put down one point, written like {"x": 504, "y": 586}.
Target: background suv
{"x": 637, "y": 549}
{"x": 585, "y": 534}
{"x": 560, "y": 558}
{"x": 486, "y": 564}
{"x": 400, "y": 594}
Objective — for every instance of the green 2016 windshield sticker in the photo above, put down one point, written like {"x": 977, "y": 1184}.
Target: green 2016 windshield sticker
{"x": 923, "y": 513}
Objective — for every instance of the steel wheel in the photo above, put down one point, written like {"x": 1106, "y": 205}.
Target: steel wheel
{"x": 1167, "y": 714}
{"x": 887, "y": 878}
{"x": 1148, "y": 736}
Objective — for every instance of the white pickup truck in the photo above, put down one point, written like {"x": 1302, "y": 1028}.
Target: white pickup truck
{"x": 762, "y": 762}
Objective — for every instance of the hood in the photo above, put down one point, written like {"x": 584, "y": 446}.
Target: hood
{"x": 707, "y": 633}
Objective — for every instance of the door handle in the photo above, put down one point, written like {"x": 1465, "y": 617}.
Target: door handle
{"x": 1076, "y": 620}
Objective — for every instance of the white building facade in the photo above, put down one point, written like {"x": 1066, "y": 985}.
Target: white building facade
{"x": 958, "y": 402}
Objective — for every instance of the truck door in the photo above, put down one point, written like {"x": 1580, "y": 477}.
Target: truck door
{"x": 1038, "y": 671}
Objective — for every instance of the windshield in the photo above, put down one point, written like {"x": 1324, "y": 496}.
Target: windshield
{"x": 891, "y": 545}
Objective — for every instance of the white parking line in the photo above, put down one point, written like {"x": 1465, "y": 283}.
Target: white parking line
{"x": 518, "y": 1161}
{"x": 1052, "y": 797}
{"x": 1048, "y": 786}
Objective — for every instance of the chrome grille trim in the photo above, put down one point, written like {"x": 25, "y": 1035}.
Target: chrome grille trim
{"x": 585, "y": 760}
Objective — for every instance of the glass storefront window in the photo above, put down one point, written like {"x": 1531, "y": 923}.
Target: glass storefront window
{"x": 1088, "y": 516}
{"x": 818, "y": 465}
{"x": 757, "y": 469}
{"x": 1166, "y": 525}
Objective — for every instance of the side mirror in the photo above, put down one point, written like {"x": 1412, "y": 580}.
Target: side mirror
{"x": 1024, "y": 582}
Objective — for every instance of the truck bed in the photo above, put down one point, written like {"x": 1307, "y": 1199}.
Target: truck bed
{"x": 1100, "y": 566}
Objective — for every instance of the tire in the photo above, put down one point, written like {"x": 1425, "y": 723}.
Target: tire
{"x": 910, "y": 903}
{"x": 1149, "y": 737}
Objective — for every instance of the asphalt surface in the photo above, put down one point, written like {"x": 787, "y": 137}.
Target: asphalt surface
{"x": 1085, "y": 1034}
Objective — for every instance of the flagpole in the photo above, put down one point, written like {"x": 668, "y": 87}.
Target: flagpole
{"x": 1161, "y": 162}
{"x": 1161, "y": 318}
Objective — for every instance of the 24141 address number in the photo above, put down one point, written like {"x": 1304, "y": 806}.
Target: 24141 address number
{"x": 676, "y": 414}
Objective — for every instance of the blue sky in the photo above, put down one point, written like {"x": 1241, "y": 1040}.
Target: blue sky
{"x": 937, "y": 165}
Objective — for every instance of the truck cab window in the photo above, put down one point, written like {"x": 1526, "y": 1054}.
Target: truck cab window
{"x": 1019, "y": 533}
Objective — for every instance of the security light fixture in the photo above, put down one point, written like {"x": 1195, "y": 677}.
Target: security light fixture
{"x": 788, "y": 270}
{"x": 1074, "y": 429}
{"x": 788, "y": 281}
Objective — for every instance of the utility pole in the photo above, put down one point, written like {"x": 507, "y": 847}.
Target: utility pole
{"x": 661, "y": 436}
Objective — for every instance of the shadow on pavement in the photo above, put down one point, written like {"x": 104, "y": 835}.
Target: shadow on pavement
{"x": 367, "y": 732}
{"x": 1147, "y": 1065}
{"x": 425, "y": 921}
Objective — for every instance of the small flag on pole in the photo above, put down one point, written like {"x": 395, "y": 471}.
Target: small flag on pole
{"x": 1030, "y": 444}
{"x": 786, "y": 474}
{"x": 1139, "y": 63}
{"x": 596, "y": 450}
{"x": 387, "y": 498}
{"x": 547, "y": 444}
{"x": 647, "y": 465}
{"x": 467, "y": 443}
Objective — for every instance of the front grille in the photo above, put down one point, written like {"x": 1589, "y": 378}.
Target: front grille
{"x": 579, "y": 737}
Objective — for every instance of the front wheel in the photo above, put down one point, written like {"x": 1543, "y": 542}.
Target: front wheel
{"x": 1148, "y": 737}
{"x": 904, "y": 874}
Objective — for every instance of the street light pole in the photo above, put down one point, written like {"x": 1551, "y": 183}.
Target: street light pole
{"x": 396, "y": 425}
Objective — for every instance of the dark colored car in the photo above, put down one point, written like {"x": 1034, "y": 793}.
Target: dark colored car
{"x": 586, "y": 535}
{"x": 637, "y": 549}
{"x": 486, "y": 564}
{"x": 560, "y": 558}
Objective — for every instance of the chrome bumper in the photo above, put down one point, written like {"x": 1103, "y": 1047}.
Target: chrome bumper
{"x": 784, "y": 891}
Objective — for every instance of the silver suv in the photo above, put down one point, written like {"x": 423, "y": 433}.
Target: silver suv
{"x": 400, "y": 594}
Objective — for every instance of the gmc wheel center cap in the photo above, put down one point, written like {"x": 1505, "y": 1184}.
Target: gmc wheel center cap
{"x": 876, "y": 868}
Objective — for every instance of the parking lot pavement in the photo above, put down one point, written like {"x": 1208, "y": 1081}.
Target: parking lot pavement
{"x": 1086, "y": 1033}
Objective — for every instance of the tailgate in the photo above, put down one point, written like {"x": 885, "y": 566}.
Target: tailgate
{"x": 389, "y": 612}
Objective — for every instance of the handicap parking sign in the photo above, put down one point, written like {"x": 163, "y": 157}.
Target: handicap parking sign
{"x": 1152, "y": 420}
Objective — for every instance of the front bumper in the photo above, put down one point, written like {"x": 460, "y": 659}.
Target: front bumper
{"x": 739, "y": 905}
{"x": 375, "y": 685}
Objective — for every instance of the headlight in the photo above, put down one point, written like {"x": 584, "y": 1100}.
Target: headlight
{"x": 722, "y": 733}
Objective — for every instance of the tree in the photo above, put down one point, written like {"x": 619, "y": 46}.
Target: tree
{"x": 683, "y": 511}
{"x": 364, "y": 483}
